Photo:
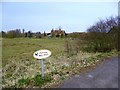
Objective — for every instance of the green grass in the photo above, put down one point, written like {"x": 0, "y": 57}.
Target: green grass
{"x": 23, "y": 81}
{"x": 38, "y": 80}
{"x": 24, "y": 48}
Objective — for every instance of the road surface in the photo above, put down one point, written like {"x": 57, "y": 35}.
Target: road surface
{"x": 103, "y": 76}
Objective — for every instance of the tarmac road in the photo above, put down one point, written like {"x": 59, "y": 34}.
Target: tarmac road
{"x": 103, "y": 76}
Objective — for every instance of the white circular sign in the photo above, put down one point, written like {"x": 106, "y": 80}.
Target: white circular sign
{"x": 41, "y": 54}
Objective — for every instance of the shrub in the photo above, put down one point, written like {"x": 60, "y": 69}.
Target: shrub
{"x": 99, "y": 42}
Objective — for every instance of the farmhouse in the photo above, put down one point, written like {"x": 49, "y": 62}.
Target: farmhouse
{"x": 58, "y": 33}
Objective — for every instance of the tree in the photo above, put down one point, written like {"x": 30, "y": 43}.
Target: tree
{"x": 104, "y": 25}
{"x": 3, "y": 34}
{"x": 38, "y": 35}
{"x": 18, "y": 33}
{"x": 103, "y": 36}
{"x": 52, "y": 33}
{"x": 14, "y": 33}
{"x": 11, "y": 34}
{"x": 23, "y": 33}
{"x": 29, "y": 34}
{"x": 44, "y": 34}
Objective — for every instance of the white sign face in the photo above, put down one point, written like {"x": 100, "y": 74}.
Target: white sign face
{"x": 41, "y": 54}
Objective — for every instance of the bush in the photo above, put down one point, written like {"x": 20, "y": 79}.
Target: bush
{"x": 103, "y": 36}
{"x": 99, "y": 42}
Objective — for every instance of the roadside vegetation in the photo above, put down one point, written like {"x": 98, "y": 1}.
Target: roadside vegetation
{"x": 70, "y": 55}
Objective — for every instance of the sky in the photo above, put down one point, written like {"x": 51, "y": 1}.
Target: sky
{"x": 43, "y": 16}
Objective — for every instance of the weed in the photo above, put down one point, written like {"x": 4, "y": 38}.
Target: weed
{"x": 23, "y": 81}
{"x": 39, "y": 80}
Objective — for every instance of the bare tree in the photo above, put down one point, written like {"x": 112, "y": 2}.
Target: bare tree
{"x": 104, "y": 25}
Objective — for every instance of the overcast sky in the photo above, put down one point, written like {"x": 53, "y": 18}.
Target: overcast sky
{"x": 43, "y": 16}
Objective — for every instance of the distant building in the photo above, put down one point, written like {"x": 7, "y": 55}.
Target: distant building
{"x": 58, "y": 33}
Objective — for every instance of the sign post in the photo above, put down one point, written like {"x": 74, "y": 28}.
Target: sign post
{"x": 41, "y": 55}
{"x": 42, "y": 67}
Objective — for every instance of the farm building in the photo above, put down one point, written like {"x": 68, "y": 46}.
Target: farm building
{"x": 58, "y": 33}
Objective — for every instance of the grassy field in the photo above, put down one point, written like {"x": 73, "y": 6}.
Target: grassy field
{"x": 18, "y": 62}
{"x": 23, "y": 48}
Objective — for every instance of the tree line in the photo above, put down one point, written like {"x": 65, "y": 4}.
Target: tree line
{"x": 17, "y": 33}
